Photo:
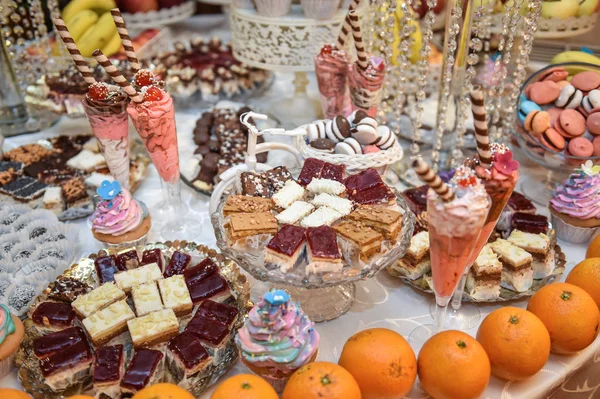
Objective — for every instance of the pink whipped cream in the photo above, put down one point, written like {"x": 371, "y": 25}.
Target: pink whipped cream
{"x": 578, "y": 196}
{"x": 118, "y": 216}
{"x": 366, "y": 85}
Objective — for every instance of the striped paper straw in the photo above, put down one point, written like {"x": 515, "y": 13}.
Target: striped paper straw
{"x": 358, "y": 43}
{"x": 126, "y": 40}
{"x": 432, "y": 180}
{"x": 481, "y": 129}
{"x": 117, "y": 77}
{"x": 345, "y": 31}
{"x": 80, "y": 63}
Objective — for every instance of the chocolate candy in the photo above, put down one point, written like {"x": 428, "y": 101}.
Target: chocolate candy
{"x": 326, "y": 145}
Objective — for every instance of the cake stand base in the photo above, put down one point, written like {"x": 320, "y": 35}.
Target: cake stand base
{"x": 299, "y": 108}
{"x": 322, "y": 304}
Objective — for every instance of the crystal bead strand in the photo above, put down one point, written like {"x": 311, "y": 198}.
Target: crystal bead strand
{"x": 389, "y": 90}
{"x": 403, "y": 63}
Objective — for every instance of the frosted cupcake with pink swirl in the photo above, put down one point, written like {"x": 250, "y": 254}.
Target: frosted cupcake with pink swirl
{"x": 575, "y": 205}
{"x": 118, "y": 217}
{"x": 277, "y": 339}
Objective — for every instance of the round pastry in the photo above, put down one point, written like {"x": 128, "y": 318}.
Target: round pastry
{"x": 201, "y": 138}
{"x": 581, "y": 147}
{"x": 118, "y": 217}
{"x": 324, "y": 145}
{"x": 537, "y": 122}
{"x": 545, "y": 92}
{"x": 11, "y": 335}
{"x": 365, "y": 132}
{"x": 596, "y": 144}
{"x": 572, "y": 123}
{"x": 591, "y": 101}
{"x": 526, "y": 107}
{"x": 553, "y": 140}
{"x": 555, "y": 74}
{"x": 569, "y": 97}
{"x": 586, "y": 81}
{"x": 554, "y": 114}
{"x": 348, "y": 147}
{"x": 337, "y": 129}
{"x": 315, "y": 130}
{"x": 357, "y": 116}
{"x": 387, "y": 138}
{"x": 593, "y": 123}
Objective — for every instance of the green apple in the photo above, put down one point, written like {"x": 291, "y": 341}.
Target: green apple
{"x": 562, "y": 9}
{"x": 587, "y": 7}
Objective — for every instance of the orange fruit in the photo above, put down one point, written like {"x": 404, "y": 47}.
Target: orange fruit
{"x": 9, "y": 393}
{"x": 319, "y": 380}
{"x": 453, "y": 365}
{"x": 163, "y": 391}
{"x": 392, "y": 363}
{"x": 570, "y": 315}
{"x": 586, "y": 275}
{"x": 593, "y": 250}
{"x": 516, "y": 341}
{"x": 244, "y": 386}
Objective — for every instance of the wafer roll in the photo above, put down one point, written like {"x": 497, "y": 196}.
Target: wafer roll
{"x": 125, "y": 40}
{"x": 80, "y": 63}
{"x": 432, "y": 180}
{"x": 358, "y": 42}
{"x": 117, "y": 77}
{"x": 481, "y": 130}
{"x": 346, "y": 28}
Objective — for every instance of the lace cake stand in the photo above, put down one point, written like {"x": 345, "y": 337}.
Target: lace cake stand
{"x": 165, "y": 16}
{"x": 285, "y": 44}
{"x": 555, "y": 28}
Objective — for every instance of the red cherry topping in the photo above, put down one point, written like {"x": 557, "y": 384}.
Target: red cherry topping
{"x": 98, "y": 91}
{"x": 327, "y": 49}
{"x": 153, "y": 94}
{"x": 144, "y": 78}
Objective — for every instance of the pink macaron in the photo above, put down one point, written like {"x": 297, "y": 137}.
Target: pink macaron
{"x": 581, "y": 147}
{"x": 593, "y": 124}
{"x": 596, "y": 144}
{"x": 553, "y": 140}
{"x": 586, "y": 81}
{"x": 555, "y": 74}
{"x": 544, "y": 92}
{"x": 370, "y": 149}
{"x": 554, "y": 114}
{"x": 572, "y": 122}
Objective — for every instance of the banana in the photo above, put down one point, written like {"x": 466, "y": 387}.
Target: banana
{"x": 575, "y": 56}
{"x": 101, "y": 6}
{"x": 113, "y": 46}
{"x": 97, "y": 35}
{"x": 81, "y": 22}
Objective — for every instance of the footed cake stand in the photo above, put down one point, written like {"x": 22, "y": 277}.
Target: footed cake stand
{"x": 322, "y": 296}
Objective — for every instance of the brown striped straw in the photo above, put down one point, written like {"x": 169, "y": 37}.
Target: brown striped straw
{"x": 432, "y": 180}
{"x": 126, "y": 40}
{"x": 80, "y": 63}
{"x": 481, "y": 129}
{"x": 345, "y": 31}
{"x": 117, "y": 77}
{"x": 358, "y": 42}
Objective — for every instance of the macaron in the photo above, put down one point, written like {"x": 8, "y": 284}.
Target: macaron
{"x": 370, "y": 149}
{"x": 525, "y": 107}
{"x": 591, "y": 101}
{"x": 569, "y": 97}
{"x": 562, "y": 83}
{"x": 337, "y": 129}
{"x": 315, "y": 130}
{"x": 581, "y": 147}
{"x": 365, "y": 131}
{"x": 357, "y": 116}
{"x": 386, "y": 137}
{"x": 586, "y": 81}
{"x": 572, "y": 122}
{"x": 593, "y": 123}
{"x": 537, "y": 122}
{"x": 545, "y": 92}
{"x": 348, "y": 147}
{"x": 325, "y": 145}
{"x": 553, "y": 140}
{"x": 556, "y": 74}
{"x": 596, "y": 144}
{"x": 554, "y": 114}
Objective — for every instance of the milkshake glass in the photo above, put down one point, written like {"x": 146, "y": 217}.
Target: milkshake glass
{"x": 366, "y": 85}
{"x": 331, "y": 68}
{"x": 110, "y": 125}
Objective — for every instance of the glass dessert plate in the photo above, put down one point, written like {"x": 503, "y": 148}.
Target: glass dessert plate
{"x": 323, "y": 296}
{"x": 29, "y": 373}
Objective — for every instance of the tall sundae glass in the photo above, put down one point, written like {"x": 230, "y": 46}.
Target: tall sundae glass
{"x": 331, "y": 68}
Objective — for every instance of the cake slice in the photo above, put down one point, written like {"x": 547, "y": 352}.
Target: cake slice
{"x": 322, "y": 216}
{"x": 318, "y": 186}
{"x": 416, "y": 262}
{"x": 186, "y": 355}
{"x": 386, "y": 221}
{"x": 68, "y": 366}
{"x": 146, "y": 368}
{"x": 129, "y": 259}
{"x": 333, "y": 172}
{"x": 517, "y": 273}
{"x": 108, "y": 323}
{"x": 213, "y": 334}
{"x": 246, "y": 204}
{"x": 323, "y": 253}
{"x": 366, "y": 239}
{"x": 108, "y": 370}
{"x": 289, "y": 193}
{"x": 286, "y": 247}
{"x": 203, "y": 269}
{"x": 153, "y": 256}
{"x": 146, "y": 298}
{"x": 311, "y": 169}
{"x": 540, "y": 248}
{"x": 106, "y": 268}
{"x": 179, "y": 261}
{"x": 50, "y": 316}
{"x": 99, "y": 298}
{"x": 295, "y": 212}
{"x": 369, "y": 178}
{"x": 48, "y": 344}
{"x": 485, "y": 276}
{"x": 278, "y": 176}
{"x": 212, "y": 287}
{"x": 153, "y": 328}
{"x": 220, "y": 312}
{"x": 242, "y": 225}
{"x": 175, "y": 295}
{"x": 255, "y": 185}
{"x": 528, "y": 223}
{"x": 144, "y": 274}
{"x": 516, "y": 203}
{"x": 338, "y": 204}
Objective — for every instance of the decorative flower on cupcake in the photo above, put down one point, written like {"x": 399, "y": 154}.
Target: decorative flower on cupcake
{"x": 590, "y": 169}
{"x": 108, "y": 190}
{"x": 504, "y": 163}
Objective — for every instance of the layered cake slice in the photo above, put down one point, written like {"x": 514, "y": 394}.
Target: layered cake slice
{"x": 175, "y": 295}
{"x": 323, "y": 253}
{"x": 153, "y": 256}
{"x": 286, "y": 247}
{"x": 128, "y": 259}
{"x": 144, "y": 274}
{"x": 107, "y": 371}
{"x": 526, "y": 222}
{"x": 153, "y": 328}
{"x": 311, "y": 169}
{"x": 146, "y": 368}
{"x": 146, "y": 298}
{"x": 278, "y": 176}
{"x": 46, "y": 345}
{"x": 373, "y": 196}
{"x": 52, "y": 316}
{"x": 295, "y": 212}
{"x": 540, "y": 248}
{"x": 386, "y": 221}
{"x": 517, "y": 273}
{"x": 200, "y": 271}
{"x": 220, "y": 312}
{"x": 366, "y": 239}
{"x": 289, "y": 193}
{"x": 242, "y": 225}
{"x": 68, "y": 366}
{"x": 246, "y": 204}
{"x": 212, "y": 287}
{"x": 179, "y": 261}
{"x": 255, "y": 185}
{"x": 106, "y": 268}
{"x": 516, "y": 203}
{"x": 338, "y": 204}
{"x": 99, "y": 298}
{"x": 364, "y": 180}
{"x": 186, "y": 355}
{"x": 213, "y": 334}
{"x": 416, "y": 262}
{"x": 333, "y": 172}
{"x": 108, "y": 323}
{"x": 485, "y": 276}
{"x": 322, "y": 216}
{"x": 318, "y": 186}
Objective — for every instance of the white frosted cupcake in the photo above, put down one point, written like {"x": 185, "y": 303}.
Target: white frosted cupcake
{"x": 273, "y": 8}
{"x": 320, "y": 9}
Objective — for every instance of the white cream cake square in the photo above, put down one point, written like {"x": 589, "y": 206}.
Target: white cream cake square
{"x": 146, "y": 298}
{"x": 144, "y": 274}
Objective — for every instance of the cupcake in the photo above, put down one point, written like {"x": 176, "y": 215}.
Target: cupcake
{"x": 273, "y": 8}
{"x": 575, "y": 205}
{"x": 11, "y": 335}
{"x": 277, "y": 338}
{"x": 320, "y": 9}
{"x": 118, "y": 218}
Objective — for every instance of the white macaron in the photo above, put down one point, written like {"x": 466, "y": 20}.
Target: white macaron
{"x": 348, "y": 147}
{"x": 591, "y": 101}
